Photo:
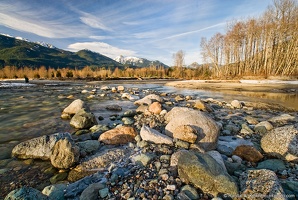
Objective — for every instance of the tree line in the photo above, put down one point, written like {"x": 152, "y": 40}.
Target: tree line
{"x": 267, "y": 45}
{"x": 11, "y": 72}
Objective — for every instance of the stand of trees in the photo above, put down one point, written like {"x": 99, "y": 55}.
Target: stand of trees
{"x": 266, "y": 46}
{"x": 8, "y": 72}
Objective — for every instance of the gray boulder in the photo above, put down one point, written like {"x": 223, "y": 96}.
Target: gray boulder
{"x": 205, "y": 173}
{"x": 27, "y": 193}
{"x": 73, "y": 108}
{"x": 154, "y": 136}
{"x": 261, "y": 184}
{"x": 282, "y": 143}
{"x": 83, "y": 120}
{"x": 206, "y": 128}
{"x": 38, "y": 148}
{"x": 65, "y": 154}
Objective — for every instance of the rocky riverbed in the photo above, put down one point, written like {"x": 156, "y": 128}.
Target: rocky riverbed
{"x": 167, "y": 146}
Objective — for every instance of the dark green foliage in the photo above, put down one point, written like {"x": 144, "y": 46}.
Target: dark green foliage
{"x": 20, "y": 53}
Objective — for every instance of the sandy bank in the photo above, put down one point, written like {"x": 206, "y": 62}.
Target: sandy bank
{"x": 239, "y": 85}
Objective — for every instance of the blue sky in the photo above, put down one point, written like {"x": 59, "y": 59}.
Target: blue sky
{"x": 152, "y": 29}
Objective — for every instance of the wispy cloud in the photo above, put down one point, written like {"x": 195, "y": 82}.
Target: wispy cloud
{"x": 94, "y": 22}
{"x": 102, "y": 48}
{"x": 23, "y": 18}
{"x": 195, "y": 31}
{"x": 100, "y": 37}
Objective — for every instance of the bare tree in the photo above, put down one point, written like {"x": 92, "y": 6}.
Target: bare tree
{"x": 179, "y": 59}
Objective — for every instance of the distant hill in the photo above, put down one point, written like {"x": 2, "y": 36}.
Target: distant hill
{"x": 138, "y": 62}
{"x": 20, "y": 52}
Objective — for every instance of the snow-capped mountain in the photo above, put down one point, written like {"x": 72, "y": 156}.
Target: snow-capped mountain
{"x": 44, "y": 44}
{"x": 129, "y": 60}
{"x": 138, "y": 62}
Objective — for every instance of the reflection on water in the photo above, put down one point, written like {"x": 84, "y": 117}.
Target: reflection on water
{"x": 31, "y": 111}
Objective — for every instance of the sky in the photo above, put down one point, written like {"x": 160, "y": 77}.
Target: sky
{"x": 151, "y": 29}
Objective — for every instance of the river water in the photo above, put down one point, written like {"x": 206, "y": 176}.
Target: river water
{"x": 31, "y": 110}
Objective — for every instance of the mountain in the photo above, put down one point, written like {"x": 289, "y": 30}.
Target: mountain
{"x": 20, "y": 52}
{"x": 138, "y": 62}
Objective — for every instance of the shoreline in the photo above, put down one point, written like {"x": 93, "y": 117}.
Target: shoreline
{"x": 239, "y": 85}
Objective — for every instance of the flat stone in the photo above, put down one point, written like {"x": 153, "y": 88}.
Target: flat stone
{"x": 151, "y": 135}
{"x": 91, "y": 192}
{"x": 248, "y": 153}
{"x": 272, "y": 164}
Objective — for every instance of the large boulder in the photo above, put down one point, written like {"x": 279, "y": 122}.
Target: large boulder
{"x": 83, "y": 120}
{"x": 73, "y": 108}
{"x": 154, "y": 136}
{"x": 206, "y": 128}
{"x": 204, "y": 172}
{"x": 27, "y": 193}
{"x": 38, "y": 148}
{"x": 120, "y": 135}
{"x": 261, "y": 184}
{"x": 282, "y": 143}
{"x": 65, "y": 154}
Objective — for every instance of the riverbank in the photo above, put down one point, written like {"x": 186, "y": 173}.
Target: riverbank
{"x": 239, "y": 85}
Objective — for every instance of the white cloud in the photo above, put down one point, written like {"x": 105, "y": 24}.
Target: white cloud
{"x": 94, "y": 22}
{"x": 102, "y": 48}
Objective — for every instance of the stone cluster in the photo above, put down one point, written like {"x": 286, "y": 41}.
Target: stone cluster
{"x": 169, "y": 147}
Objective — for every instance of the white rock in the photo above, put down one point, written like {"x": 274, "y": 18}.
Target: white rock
{"x": 236, "y": 104}
{"x": 267, "y": 125}
{"x": 154, "y": 136}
